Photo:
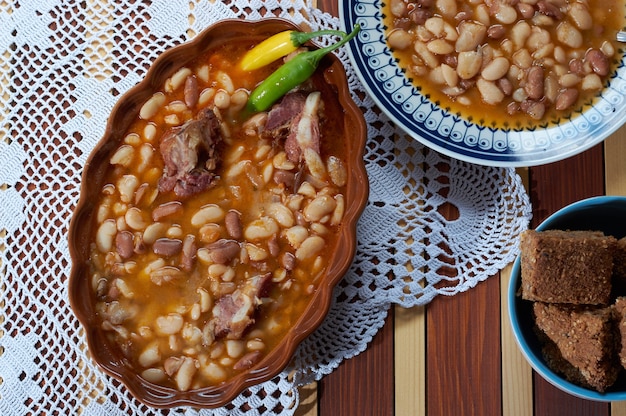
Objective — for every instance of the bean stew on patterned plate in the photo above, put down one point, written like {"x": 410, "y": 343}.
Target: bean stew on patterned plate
{"x": 517, "y": 61}
{"x": 208, "y": 237}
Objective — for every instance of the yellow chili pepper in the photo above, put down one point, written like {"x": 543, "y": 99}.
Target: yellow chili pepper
{"x": 279, "y": 45}
{"x": 290, "y": 75}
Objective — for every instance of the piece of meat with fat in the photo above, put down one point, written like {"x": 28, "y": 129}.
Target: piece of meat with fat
{"x": 234, "y": 313}
{"x": 190, "y": 156}
{"x": 295, "y": 119}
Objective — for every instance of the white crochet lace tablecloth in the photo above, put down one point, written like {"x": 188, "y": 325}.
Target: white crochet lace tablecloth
{"x": 63, "y": 65}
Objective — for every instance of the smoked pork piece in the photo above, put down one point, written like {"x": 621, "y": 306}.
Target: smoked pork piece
{"x": 582, "y": 343}
{"x": 190, "y": 156}
{"x": 295, "y": 120}
{"x": 567, "y": 266}
{"x": 234, "y": 313}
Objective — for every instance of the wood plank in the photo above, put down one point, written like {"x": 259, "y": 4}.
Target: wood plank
{"x": 615, "y": 162}
{"x": 463, "y": 350}
{"x": 517, "y": 374}
{"x": 556, "y": 185}
{"x": 410, "y": 361}
{"x": 615, "y": 183}
{"x": 552, "y": 187}
{"x": 362, "y": 385}
{"x": 308, "y": 401}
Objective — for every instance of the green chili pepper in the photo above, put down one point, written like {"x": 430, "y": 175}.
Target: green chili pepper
{"x": 279, "y": 45}
{"x": 290, "y": 75}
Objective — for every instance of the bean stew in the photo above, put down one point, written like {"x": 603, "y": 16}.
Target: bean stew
{"x": 507, "y": 63}
{"x": 214, "y": 227}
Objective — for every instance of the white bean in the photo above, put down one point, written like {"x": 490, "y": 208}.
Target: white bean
{"x": 209, "y": 213}
{"x": 569, "y": 35}
{"x": 169, "y": 324}
{"x": 134, "y": 218}
{"x": 206, "y": 96}
{"x": 177, "y": 80}
{"x": 296, "y": 235}
{"x": 127, "y": 185}
{"x": 150, "y": 355}
{"x": 496, "y": 69}
{"x": 282, "y": 214}
{"x": 319, "y": 207}
{"x": 399, "y": 39}
{"x": 260, "y": 229}
{"x": 591, "y": 82}
{"x": 310, "y": 247}
{"x": 106, "y": 235}
{"x": 221, "y": 99}
{"x": 153, "y": 375}
{"x": 469, "y": 64}
{"x": 123, "y": 156}
{"x": 340, "y": 208}
{"x": 440, "y": 47}
{"x": 226, "y": 82}
{"x": 579, "y": 13}
{"x": 185, "y": 374}
{"x": 489, "y": 91}
{"x": 152, "y": 106}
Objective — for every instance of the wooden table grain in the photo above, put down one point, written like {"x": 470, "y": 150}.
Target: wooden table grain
{"x": 457, "y": 355}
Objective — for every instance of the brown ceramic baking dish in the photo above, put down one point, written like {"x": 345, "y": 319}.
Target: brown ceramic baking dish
{"x": 82, "y": 227}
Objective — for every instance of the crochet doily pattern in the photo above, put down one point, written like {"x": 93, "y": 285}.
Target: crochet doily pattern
{"x": 65, "y": 64}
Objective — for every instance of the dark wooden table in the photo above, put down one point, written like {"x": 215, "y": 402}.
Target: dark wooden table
{"x": 456, "y": 356}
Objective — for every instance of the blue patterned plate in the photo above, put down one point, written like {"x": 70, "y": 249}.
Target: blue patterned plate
{"x": 455, "y": 136}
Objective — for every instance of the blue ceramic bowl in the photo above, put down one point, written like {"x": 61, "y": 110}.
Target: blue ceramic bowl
{"x": 604, "y": 213}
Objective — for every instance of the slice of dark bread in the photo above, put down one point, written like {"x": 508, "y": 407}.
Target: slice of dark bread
{"x": 586, "y": 341}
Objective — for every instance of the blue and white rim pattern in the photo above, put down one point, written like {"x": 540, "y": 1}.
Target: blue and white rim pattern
{"x": 454, "y": 136}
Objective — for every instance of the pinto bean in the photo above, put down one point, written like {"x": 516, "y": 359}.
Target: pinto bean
{"x": 222, "y": 251}
{"x": 566, "y": 98}
{"x": 247, "y": 360}
{"x": 535, "y": 109}
{"x": 549, "y": 9}
{"x": 167, "y": 247}
{"x": 166, "y": 209}
{"x": 288, "y": 260}
{"x": 124, "y": 244}
{"x": 598, "y": 61}
{"x": 232, "y": 222}
{"x": 191, "y": 92}
{"x": 534, "y": 82}
{"x": 496, "y": 31}
{"x": 188, "y": 253}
